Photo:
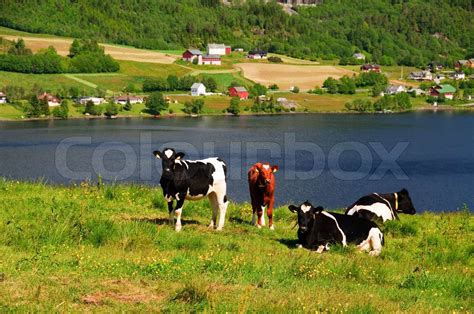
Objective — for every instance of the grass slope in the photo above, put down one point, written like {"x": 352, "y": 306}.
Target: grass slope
{"x": 84, "y": 248}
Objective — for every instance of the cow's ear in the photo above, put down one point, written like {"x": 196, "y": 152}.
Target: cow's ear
{"x": 293, "y": 208}
{"x": 179, "y": 156}
{"x": 157, "y": 154}
{"x": 275, "y": 168}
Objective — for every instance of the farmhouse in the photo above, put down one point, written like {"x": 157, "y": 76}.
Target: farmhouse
{"x": 370, "y": 68}
{"x": 53, "y": 101}
{"x": 218, "y": 49}
{"x": 210, "y": 60}
{"x": 447, "y": 91}
{"x": 198, "y": 89}
{"x": 421, "y": 76}
{"x": 464, "y": 63}
{"x": 434, "y": 66}
{"x": 122, "y": 100}
{"x": 95, "y": 100}
{"x": 191, "y": 54}
{"x": 3, "y": 98}
{"x": 239, "y": 91}
{"x": 457, "y": 76}
{"x": 257, "y": 54}
{"x": 239, "y": 49}
{"x": 358, "y": 56}
{"x": 395, "y": 89}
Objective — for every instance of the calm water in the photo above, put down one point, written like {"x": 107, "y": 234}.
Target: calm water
{"x": 434, "y": 153}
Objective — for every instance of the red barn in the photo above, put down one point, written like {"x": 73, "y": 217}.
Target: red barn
{"x": 370, "y": 68}
{"x": 239, "y": 91}
{"x": 191, "y": 54}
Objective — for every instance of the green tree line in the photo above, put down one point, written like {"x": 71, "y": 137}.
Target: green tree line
{"x": 409, "y": 32}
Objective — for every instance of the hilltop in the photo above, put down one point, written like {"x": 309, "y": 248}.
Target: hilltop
{"x": 405, "y": 32}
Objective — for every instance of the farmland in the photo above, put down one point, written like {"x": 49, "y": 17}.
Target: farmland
{"x": 285, "y": 76}
{"x": 108, "y": 248}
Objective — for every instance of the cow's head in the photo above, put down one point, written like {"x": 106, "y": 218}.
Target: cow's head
{"x": 404, "y": 203}
{"x": 264, "y": 173}
{"x": 168, "y": 157}
{"x": 306, "y": 215}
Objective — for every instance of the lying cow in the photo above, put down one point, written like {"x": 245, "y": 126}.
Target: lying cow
{"x": 193, "y": 180}
{"x": 382, "y": 207}
{"x": 262, "y": 187}
{"x": 319, "y": 228}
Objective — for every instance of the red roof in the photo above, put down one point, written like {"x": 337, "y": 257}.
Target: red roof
{"x": 49, "y": 97}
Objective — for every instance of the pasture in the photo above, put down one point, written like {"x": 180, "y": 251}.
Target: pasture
{"x": 98, "y": 248}
{"x": 286, "y": 76}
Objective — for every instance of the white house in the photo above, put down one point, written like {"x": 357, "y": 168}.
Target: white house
{"x": 218, "y": 49}
{"x": 95, "y": 100}
{"x": 421, "y": 76}
{"x": 458, "y": 76}
{"x": 395, "y": 89}
{"x": 53, "y": 101}
{"x": 209, "y": 60}
{"x": 3, "y": 98}
{"x": 359, "y": 56}
{"x": 198, "y": 89}
{"x": 122, "y": 100}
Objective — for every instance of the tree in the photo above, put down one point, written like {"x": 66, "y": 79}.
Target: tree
{"x": 111, "y": 110}
{"x": 234, "y": 107}
{"x": 62, "y": 111}
{"x": 92, "y": 109}
{"x": 274, "y": 87}
{"x": 258, "y": 90}
{"x": 44, "y": 106}
{"x": 210, "y": 83}
{"x": 331, "y": 85}
{"x": 128, "y": 105}
{"x": 155, "y": 103}
{"x": 377, "y": 89}
{"x": 295, "y": 89}
{"x": 193, "y": 107}
{"x": 34, "y": 108}
{"x": 173, "y": 82}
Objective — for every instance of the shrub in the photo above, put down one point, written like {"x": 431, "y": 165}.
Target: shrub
{"x": 275, "y": 59}
{"x": 234, "y": 107}
{"x": 155, "y": 103}
{"x": 111, "y": 110}
{"x": 193, "y": 107}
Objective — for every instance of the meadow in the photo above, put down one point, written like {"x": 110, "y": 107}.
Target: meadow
{"x": 104, "y": 248}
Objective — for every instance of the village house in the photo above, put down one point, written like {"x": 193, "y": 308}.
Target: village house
{"x": 257, "y": 54}
{"x": 395, "y": 89}
{"x": 122, "y": 100}
{"x": 53, "y": 101}
{"x": 464, "y": 63}
{"x": 210, "y": 60}
{"x": 3, "y": 98}
{"x": 191, "y": 54}
{"x": 358, "y": 56}
{"x": 239, "y": 49}
{"x": 287, "y": 104}
{"x": 95, "y": 100}
{"x": 370, "y": 68}
{"x": 421, "y": 76}
{"x": 218, "y": 49}
{"x": 239, "y": 91}
{"x": 198, "y": 89}
{"x": 447, "y": 91}
{"x": 457, "y": 76}
{"x": 434, "y": 66}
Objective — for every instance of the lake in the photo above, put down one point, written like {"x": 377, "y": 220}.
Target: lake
{"x": 329, "y": 159}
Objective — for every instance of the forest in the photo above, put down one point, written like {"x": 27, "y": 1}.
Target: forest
{"x": 407, "y": 32}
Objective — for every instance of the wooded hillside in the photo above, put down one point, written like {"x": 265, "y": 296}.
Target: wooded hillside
{"x": 410, "y": 32}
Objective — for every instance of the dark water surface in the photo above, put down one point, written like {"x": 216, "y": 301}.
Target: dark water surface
{"x": 434, "y": 153}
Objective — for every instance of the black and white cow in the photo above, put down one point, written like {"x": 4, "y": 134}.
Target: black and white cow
{"x": 319, "y": 228}
{"x": 382, "y": 207}
{"x": 193, "y": 180}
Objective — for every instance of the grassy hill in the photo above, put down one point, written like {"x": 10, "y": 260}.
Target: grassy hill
{"x": 406, "y": 32}
{"x": 101, "y": 249}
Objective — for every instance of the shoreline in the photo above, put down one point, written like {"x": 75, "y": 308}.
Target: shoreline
{"x": 170, "y": 116}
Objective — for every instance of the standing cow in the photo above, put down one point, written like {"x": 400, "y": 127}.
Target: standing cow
{"x": 319, "y": 228}
{"x": 382, "y": 207}
{"x": 193, "y": 180}
{"x": 262, "y": 187}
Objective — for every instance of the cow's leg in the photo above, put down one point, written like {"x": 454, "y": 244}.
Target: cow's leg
{"x": 171, "y": 212}
{"x": 223, "y": 203}
{"x": 261, "y": 217}
{"x": 178, "y": 211}
{"x": 253, "y": 201}
{"x": 215, "y": 208}
{"x": 375, "y": 239}
{"x": 270, "y": 214}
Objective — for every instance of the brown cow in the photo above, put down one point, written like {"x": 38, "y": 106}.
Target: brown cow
{"x": 262, "y": 188}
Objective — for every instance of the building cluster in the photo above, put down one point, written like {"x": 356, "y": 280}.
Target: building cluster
{"x": 214, "y": 53}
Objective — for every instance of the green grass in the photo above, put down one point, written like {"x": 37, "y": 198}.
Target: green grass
{"x": 84, "y": 248}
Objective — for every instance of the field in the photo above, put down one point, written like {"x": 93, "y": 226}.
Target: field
{"x": 62, "y": 45}
{"x": 286, "y": 76}
{"x": 108, "y": 248}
